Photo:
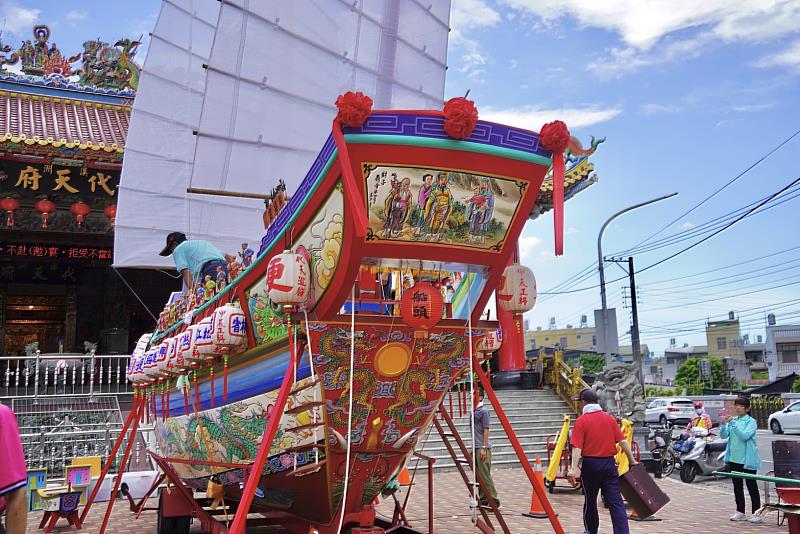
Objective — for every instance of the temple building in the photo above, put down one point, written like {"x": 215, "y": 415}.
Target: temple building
{"x": 63, "y": 125}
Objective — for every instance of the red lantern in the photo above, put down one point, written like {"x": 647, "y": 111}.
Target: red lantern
{"x": 9, "y": 204}
{"x": 422, "y": 307}
{"x": 111, "y": 213}
{"x": 517, "y": 291}
{"x": 81, "y": 210}
{"x": 45, "y": 207}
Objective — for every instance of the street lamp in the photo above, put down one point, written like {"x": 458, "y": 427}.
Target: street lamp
{"x": 602, "y": 273}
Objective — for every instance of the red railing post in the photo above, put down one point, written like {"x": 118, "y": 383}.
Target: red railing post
{"x": 240, "y": 519}
{"x": 538, "y": 487}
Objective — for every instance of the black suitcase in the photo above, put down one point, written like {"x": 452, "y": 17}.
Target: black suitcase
{"x": 786, "y": 459}
{"x": 642, "y": 492}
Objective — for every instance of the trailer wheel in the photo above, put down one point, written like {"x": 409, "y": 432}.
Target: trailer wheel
{"x": 172, "y": 525}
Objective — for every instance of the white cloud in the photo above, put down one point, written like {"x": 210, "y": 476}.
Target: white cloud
{"x": 466, "y": 17}
{"x": 628, "y": 59}
{"x": 654, "y": 109}
{"x": 76, "y": 16}
{"x": 18, "y": 19}
{"x": 533, "y": 117}
{"x": 688, "y": 226}
{"x": 644, "y": 24}
{"x": 513, "y": 64}
{"x": 751, "y": 108}
{"x": 527, "y": 246}
{"x": 641, "y": 23}
{"x": 788, "y": 58}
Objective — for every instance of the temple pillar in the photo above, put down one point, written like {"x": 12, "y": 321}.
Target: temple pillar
{"x": 512, "y": 350}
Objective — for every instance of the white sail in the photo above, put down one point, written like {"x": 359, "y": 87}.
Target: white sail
{"x": 159, "y": 151}
{"x": 273, "y": 75}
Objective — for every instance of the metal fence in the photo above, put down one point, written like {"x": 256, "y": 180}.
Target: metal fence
{"x": 56, "y": 429}
{"x": 63, "y": 375}
{"x": 761, "y": 407}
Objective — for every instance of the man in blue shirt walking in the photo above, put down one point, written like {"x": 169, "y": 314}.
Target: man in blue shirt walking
{"x": 195, "y": 259}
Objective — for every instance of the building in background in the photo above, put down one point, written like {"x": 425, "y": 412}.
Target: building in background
{"x": 63, "y": 125}
{"x": 782, "y": 349}
{"x": 724, "y": 338}
{"x": 580, "y": 339}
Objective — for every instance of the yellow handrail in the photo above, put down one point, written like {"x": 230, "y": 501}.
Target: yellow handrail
{"x": 566, "y": 381}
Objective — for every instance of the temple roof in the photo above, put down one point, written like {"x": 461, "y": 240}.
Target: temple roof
{"x": 63, "y": 122}
{"x": 577, "y": 177}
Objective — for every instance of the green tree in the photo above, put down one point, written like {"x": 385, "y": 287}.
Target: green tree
{"x": 689, "y": 376}
{"x": 796, "y": 386}
{"x": 592, "y": 363}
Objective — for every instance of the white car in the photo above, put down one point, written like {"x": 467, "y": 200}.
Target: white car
{"x": 669, "y": 410}
{"x": 786, "y": 420}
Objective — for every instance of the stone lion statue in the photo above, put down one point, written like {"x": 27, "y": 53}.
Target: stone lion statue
{"x": 620, "y": 392}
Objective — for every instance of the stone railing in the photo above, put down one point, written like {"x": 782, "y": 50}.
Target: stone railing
{"x": 63, "y": 375}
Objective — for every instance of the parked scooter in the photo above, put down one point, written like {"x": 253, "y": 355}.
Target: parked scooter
{"x": 703, "y": 458}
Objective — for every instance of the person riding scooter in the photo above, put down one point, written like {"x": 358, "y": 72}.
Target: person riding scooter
{"x": 700, "y": 419}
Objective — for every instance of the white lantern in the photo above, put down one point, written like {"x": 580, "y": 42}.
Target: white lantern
{"x": 137, "y": 368}
{"x": 490, "y": 342}
{"x": 517, "y": 292}
{"x": 203, "y": 343}
{"x": 183, "y": 349}
{"x": 130, "y": 372}
{"x": 228, "y": 328}
{"x": 288, "y": 279}
{"x": 161, "y": 358}
{"x": 150, "y": 367}
{"x": 170, "y": 367}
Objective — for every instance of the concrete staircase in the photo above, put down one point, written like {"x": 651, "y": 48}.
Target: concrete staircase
{"x": 534, "y": 415}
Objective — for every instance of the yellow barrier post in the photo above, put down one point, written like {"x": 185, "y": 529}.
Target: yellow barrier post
{"x": 555, "y": 458}
{"x": 622, "y": 459}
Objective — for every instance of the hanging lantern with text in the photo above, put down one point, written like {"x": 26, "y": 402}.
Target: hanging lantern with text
{"x": 422, "y": 307}
{"x": 111, "y": 213}
{"x": 517, "y": 291}
{"x": 45, "y": 207}
{"x": 9, "y": 205}
{"x": 81, "y": 210}
{"x": 288, "y": 279}
{"x": 490, "y": 343}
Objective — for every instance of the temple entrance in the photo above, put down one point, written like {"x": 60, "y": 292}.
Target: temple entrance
{"x": 35, "y": 318}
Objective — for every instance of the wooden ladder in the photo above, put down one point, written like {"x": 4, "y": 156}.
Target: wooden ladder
{"x": 484, "y": 524}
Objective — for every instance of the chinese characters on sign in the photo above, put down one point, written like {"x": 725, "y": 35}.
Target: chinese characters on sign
{"x": 32, "y": 180}
{"x": 54, "y": 252}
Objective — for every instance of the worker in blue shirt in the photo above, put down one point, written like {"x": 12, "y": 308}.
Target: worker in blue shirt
{"x": 197, "y": 260}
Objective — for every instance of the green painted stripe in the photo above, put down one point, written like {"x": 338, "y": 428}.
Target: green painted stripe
{"x": 450, "y": 144}
{"x": 160, "y": 335}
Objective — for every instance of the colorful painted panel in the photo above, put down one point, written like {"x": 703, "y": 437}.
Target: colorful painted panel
{"x": 232, "y": 433}
{"x": 398, "y": 382}
{"x": 438, "y": 205}
{"x": 321, "y": 244}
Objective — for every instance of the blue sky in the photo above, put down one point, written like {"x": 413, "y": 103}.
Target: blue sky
{"x": 688, "y": 94}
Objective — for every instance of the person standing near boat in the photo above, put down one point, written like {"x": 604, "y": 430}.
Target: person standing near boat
{"x": 482, "y": 420}
{"x": 741, "y": 456}
{"x": 594, "y": 445}
{"x": 13, "y": 475}
{"x": 195, "y": 259}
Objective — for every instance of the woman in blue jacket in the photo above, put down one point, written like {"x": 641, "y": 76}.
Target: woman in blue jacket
{"x": 741, "y": 455}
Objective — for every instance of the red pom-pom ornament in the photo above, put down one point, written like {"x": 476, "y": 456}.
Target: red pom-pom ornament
{"x": 460, "y": 117}
{"x": 555, "y": 137}
{"x": 354, "y": 108}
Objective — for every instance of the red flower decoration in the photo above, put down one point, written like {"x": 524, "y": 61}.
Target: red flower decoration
{"x": 554, "y": 136}
{"x": 460, "y": 117}
{"x": 354, "y": 108}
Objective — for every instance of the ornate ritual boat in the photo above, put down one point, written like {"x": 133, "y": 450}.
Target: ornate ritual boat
{"x": 301, "y": 385}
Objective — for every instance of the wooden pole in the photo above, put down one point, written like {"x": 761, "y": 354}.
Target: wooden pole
{"x": 219, "y": 193}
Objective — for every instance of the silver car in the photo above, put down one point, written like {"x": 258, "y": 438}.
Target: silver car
{"x": 669, "y": 410}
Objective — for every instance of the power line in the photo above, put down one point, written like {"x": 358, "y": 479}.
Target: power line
{"x": 725, "y": 186}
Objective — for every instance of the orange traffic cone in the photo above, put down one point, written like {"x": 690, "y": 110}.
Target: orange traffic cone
{"x": 537, "y": 510}
{"x": 404, "y": 479}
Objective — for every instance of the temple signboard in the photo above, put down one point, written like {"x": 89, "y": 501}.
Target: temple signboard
{"x": 22, "y": 180}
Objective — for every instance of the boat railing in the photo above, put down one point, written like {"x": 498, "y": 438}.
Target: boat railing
{"x": 566, "y": 381}
{"x": 70, "y": 375}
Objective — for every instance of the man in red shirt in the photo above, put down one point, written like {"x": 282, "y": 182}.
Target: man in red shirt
{"x": 594, "y": 445}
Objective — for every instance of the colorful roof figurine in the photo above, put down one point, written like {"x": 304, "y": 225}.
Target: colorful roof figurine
{"x": 579, "y": 175}
{"x": 77, "y": 102}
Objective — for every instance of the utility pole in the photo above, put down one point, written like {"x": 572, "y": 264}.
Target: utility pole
{"x": 600, "y": 267}
{"x": 636, "y": 346}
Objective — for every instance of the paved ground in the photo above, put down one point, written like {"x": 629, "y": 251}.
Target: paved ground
{"x": 700, "y": 508}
